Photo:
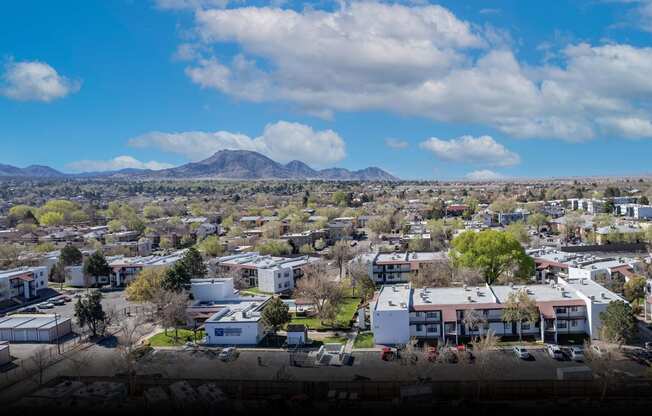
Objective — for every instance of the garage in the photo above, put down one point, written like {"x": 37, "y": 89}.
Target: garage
{"x": 34, "y": 328}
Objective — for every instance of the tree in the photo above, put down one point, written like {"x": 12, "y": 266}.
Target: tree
{"x": 97, "y": 266}
{"x": 520, "y": 307}
{"x": 193, "y": 263}
{"x": 176, "y": 278}
{"x": 322, "y": 292}
{"x": 211, "y": 246}
{"x": 50, "y": 219}
{"x": 432, "y": 274}
{"x": 173, "y": 311}
{"x": 485, "y": 359}
{"x": 503, "y": 205}
{"x": 518, "y": 230}
{"x": 474, "y": 321}
{"x": 634, "y": 288}
{"x": 644, "y": 200}
{"x": 42, "y": 359}
{"x": 360, "y": 279}
{"x": 274, "y": 248}
{"x": 89, "y": 312}
{"x": 537, "y": 220}
{"x": 148, "y": 282}
{"x": 306, "y": 249}
{"x": 494, "y": 253}
{"x": 58, "y": 273}
{"x": 71, "y": 256}
{"x": 618, "y": 322}
{"x": 341, "y": 253}
{"x": 276, "y": 314}
{"x": 128, "y": 335}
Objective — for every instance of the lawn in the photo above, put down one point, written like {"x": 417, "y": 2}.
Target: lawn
{"x": 163, "y": 340}
{"x": 334, "y": 340}
{"x": 364, "y": 340}
{"x": 345, "y": 314}
{"x": 254, "y": 291}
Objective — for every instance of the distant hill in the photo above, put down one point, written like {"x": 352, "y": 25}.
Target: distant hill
{"x": 225, "y": 164}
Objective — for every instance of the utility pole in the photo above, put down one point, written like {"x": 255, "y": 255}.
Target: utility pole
{"x": 56, "y": 324}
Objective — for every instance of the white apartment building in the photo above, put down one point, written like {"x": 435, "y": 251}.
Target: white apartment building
{"x": 269, "y": 274}
{"x": 23, "y": 283}
{"x": 552, "y": 264}
{"x": 567, "y": 309}
{"x": 387, "y": 268}
{"x": 125, "y": 269}
{"x": 636, "y": 211}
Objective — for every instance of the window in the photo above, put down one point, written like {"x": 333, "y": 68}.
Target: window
{"x": 418, "y": 314}
{"x": 574, "y": 309}
{"x": 431, "y": 328}
{"x": 573, "y": 323}
{"x": 560, "y": 310}
{"x": 562, "y": 324}
{"x": 431, "y": 315}
{"x": 419, "y": 328}
{"x": 525, "y": 326}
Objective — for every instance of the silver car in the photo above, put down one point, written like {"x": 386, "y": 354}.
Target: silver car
{"x": 521, "y": 352}
{"x": 554, "y": 352}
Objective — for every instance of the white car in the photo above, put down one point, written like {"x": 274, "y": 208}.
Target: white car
{"x": 228, "y": 354}
{"x": 554, "y": 352}
{"x": 45, "y": 305}
{"x": 521, "y": 352}
{"x": 577, "y": 354}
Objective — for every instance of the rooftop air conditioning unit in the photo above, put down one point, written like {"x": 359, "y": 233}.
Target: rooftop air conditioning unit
{"x": 469, "y": 298}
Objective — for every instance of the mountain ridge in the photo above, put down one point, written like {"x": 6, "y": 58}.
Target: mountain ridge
{"x": 224, "y": 164}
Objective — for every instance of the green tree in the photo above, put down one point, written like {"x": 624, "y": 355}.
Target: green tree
{"x": 193, "y": 264}
{"x": 644, "y": 200}
{"x": 71, "y": 256}
{"x": 211, "y": 246}
{"x": 58, "y": 273}
{"x": 496, "y": 254}
{"x": 89, "y": 312}
{"x": 634, "y": 288}
{"x": 146, "y": 285}
{"x": 537, "y": 220}
{"x": 275, "y": 315}
{"x": 520, "y": 307}
{"x": 274, "y": 248}
{"x": 618, "y": 322}
{"x": 176, "y": 278}
{"x": 97, "y": 266}
{"x": 50, "y": 219}
{"x": 518, "y": 230}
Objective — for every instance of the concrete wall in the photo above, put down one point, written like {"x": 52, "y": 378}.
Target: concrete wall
{"x": 251, "y": 333}
{"x": 391, "y": 327}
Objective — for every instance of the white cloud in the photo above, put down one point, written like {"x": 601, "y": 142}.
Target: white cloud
{"x": 483, "y": 150}
{"x": 419, "y": 60}
{"x": 118, "y": 163}
{"x": 190, "y": 4}
{"x": 484, "y": 175}
{"x": 396, "y": 143}
{"x": 628, "y": 127}
{"x": 34, "y": 81}
{"x": 282, "y": 141}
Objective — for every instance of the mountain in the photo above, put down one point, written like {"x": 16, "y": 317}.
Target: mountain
{"x": 33, "y": 171}
{"x": 245, "y": 164}
{"x": 225, "y": 164}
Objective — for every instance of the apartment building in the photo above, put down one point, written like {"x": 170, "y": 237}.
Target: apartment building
{"x": 636, "y": 211}
{"x": 567, "y": 309}
{"x": 552, "y": 264}
{"x": 23, "y": 283}
{"x": 269, "y": 274}
{"x": 125, "y": 269}
{"x": 388, "y": 268}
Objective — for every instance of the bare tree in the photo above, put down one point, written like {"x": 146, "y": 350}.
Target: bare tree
{"x": 173, "y": 312}
{"x": 129, "y": 334}
{"x": 324, "y": 293}
{"x": 240, "y": 281}
{"x": 434, "y": 274}
{"x": 360, "y": 279}
{"x": 485, "y": 361}
{"x": 474, "y": 321}
{"x": 79, "y": 361}
{"x": 467, "y": 276}
{"x": 603, "y": 363}
{"x": 341, "y": 253}
{"x": 42, "y": 359}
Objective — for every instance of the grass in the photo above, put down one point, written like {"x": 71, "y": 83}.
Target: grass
{"x": 334, "y": 340}
{"x": 163, "y": 340}
{"x": 364, "y": 340}
{"x": 254, "y": 291}
{"x": 345, "y": 314}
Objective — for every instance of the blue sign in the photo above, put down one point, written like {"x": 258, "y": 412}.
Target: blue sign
{"x": 219, "y": 332}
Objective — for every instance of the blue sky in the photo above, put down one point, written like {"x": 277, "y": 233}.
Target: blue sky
{"x": 424, "y": 90}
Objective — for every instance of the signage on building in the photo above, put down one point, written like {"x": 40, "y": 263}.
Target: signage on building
{"x": 228, "y": 332}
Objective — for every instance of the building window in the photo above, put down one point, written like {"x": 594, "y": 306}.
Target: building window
{"x": 562, "y": 324}
{"x": 525, "y": 326}
{"x": 431, "y": 315}
{"x": 431, "y": 328}
{"x": 573, "y": 323}
{"x": 574, "y": 308}
{"x": 560, "y": 310}
{"x": 419, "y": 328}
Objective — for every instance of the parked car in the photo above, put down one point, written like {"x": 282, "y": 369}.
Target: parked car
{"x": 58, "y": 301}
{"x": 521, "y": 352}
{"x": 388, "y": 354}
{"x": 577, "y": 354}
{"x": 67, "y": 299}
{"x": 648, "y": 346}
{"x": 228, "y": 354}
{"x": 554, "y": 352}
{"x": 45, "y": 305}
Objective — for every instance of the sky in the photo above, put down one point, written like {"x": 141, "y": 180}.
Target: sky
{"x": 425, "y": 90}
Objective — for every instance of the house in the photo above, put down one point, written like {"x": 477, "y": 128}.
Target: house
{"x": 228, "y": 318}
{"x": 505, "y": 218}
{"x": 388, "y": 268}
{"x": 22, "y": 284}
{"x": 568, "y": 309}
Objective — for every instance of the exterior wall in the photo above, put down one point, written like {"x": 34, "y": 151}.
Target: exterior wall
{"x": 221, "y": 289}
{"x": 5, "y": 356}
{"x": 391, "y": 327}
{"x": 234, "y": 333}
{"x": 276, "y": 280}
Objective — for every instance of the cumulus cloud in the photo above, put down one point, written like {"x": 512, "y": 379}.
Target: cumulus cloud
{"x": 190, "y": 4}
{"x": 483, "y": 150}
{"x": 418, "y": 60}
{"x": 34, "y": 81}
{"x": 282, "y": 141}
{"x": 484, "y": 175}
{"x": 117, "y": 163}
{"x": 396, "y": 143}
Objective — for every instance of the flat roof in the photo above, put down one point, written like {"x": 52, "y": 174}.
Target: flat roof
{"x": 393, "y": 298}
{"x": 540, "y": 293}
{"x": 590, "y": 288}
